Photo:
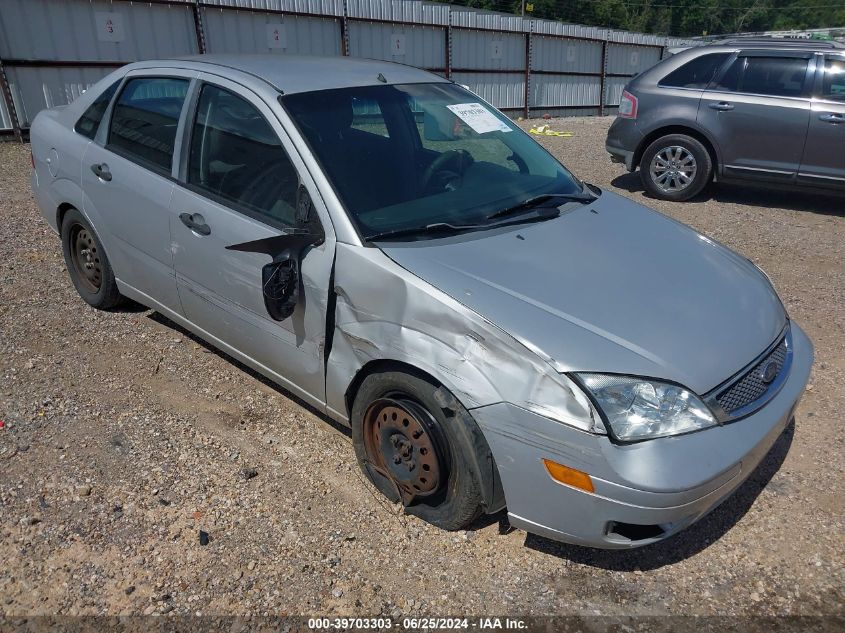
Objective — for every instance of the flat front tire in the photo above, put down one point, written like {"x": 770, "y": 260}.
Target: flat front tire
{"x": 675, "y": 167}
{"x": 413, "y": 452}
{"x": 87, "y": 263}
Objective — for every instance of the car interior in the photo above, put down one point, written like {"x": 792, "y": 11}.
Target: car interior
{"x": 236, "y": 155}
{"x": 353, "y": 155}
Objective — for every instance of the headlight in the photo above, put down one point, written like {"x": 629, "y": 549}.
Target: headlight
{"x": 639, "y": 408}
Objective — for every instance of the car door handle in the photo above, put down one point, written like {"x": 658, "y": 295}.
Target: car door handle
{"x": 195, "y": 222}
{"x": 722, "y": 106}
{"x": 101, "y": 170}
{"x": 832, "y": 118}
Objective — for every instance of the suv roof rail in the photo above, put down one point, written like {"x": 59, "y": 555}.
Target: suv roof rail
{"x": 779, "y": 42}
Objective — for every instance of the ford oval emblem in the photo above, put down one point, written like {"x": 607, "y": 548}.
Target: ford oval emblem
{"x": 769, "y": 372}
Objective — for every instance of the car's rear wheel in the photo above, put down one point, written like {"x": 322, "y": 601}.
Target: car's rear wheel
{"x": 87, "y": 263}
{"x": 675, "y": 167}
{"x": 413, "y": 452}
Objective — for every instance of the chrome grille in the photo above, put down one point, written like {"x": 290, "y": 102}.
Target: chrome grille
{"x": 751, "y": 387}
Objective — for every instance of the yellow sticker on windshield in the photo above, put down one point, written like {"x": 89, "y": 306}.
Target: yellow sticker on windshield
{"x": 479, "y": 118}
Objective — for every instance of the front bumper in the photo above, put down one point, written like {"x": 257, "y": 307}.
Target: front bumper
{"x": 644, "y": 492}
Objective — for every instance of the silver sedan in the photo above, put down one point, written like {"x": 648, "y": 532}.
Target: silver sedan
{"x": 390, "y": 248}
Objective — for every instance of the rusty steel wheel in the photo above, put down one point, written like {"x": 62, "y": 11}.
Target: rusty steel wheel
{"x": 419, "y": 447}
{"x": 402, "y": 443}
{"x": 85, "y": 258}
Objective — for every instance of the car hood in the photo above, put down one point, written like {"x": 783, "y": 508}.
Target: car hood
{"x": 609, "y": 287}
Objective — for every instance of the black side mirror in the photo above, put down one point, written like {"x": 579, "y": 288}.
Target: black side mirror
{"x": 280, "y": 284}
{"x": 280, "y": 279}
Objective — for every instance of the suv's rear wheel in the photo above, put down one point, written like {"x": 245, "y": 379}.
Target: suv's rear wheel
{"x": 413, "y": 452}
{"x": 675, "y": 167}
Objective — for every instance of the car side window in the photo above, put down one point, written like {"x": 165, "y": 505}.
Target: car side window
{"x": 144, "y": 120}
{"x": 89, "y": 122}
{"x": 772, "y": 76}
{"x": 833, "y": 81}
{"x": 237, "y": 158}
{"x": 696, "y": 73}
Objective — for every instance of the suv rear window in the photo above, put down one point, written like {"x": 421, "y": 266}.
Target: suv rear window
{"x": 773, "y": 76}
{"x": 833, "y": 84}
{"x": 696, "y": 73}
{"x": 143, "y": 123}
{"x": 90, "y": 120}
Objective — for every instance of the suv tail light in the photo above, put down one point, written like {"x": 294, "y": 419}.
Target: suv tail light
{"x": 628, "y": 106}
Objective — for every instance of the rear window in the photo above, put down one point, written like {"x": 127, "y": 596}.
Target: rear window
{"x": 772, "y": 76}
{"x": 143, "y": 124}
{"x": 833, "y": 84}
{"x": 696, "y": 73}
{"x": 89, "y": 122}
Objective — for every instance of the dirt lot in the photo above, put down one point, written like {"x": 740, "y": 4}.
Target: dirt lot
{"x": 124, "y": 436}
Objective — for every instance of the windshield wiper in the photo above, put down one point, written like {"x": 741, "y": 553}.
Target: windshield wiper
{"x": 544, "y": 212}
{"x": 436, "y": 227}
{"x": 538, "y": 202}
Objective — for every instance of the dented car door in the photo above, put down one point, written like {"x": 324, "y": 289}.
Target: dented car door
{"x": 251, "y": 255}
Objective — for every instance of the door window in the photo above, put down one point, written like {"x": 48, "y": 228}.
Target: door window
{"x": 833, "y": 82}
{"x": 696, "y": 73}
{"x": 143, "y": 125}
{"x": 237, "y": 158}
{"x": 90, "y": 120}
{"x": 773, "y": 76}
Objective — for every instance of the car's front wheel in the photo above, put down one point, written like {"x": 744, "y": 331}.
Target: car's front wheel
{"x": 414, "y": 450}
{"x": 87, "y": 264}
{"x": 675, "y": 167}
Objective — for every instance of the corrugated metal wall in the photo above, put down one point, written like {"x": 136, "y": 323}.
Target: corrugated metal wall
{"x": 565, "y": 55}
{"x": 485, "y": 50}
{"x": 630, "y": 59}
{"x": 36, "y": 32}
{"x": 37, "y": 88}
{"x": 228, "y": 31}
{"x": 54, "y": 49}
{"x": 67, "y": 30}
{"x": 420, "y": 46}
{"x": 399, "y": 11}
{"x": 565, "y": 91}
{"x": 504, "y": 90}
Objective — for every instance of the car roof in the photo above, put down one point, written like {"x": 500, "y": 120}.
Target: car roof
{"x": 303, "y": 73}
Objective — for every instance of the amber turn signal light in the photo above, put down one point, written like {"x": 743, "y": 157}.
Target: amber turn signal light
{"x": 569, "y": 476}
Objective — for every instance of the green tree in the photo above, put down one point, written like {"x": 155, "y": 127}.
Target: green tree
{"x": 682, "y": 17}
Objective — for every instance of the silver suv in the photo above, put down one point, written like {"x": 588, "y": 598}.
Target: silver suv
{"x": 746, "y": 110}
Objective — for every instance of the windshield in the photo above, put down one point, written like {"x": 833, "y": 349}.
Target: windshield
{"x": 411, "y": 155}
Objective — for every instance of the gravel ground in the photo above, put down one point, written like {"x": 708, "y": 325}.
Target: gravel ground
{"x": 125, "y": 436}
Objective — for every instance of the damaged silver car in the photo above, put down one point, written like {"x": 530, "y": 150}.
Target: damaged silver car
{"x": 390, "y": 248}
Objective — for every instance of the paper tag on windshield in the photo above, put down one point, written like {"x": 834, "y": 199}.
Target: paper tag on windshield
{"x": 478, "y": 118}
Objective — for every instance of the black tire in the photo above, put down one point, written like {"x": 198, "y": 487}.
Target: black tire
{"x": 458, "y": 499}
{"x": 100, "y": 292}
{"x": 703, "y": 167}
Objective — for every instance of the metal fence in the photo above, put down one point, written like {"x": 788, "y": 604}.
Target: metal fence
{"x": 52, "y": 50}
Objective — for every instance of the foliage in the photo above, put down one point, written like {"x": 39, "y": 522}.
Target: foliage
{"x": 682, "y": 17}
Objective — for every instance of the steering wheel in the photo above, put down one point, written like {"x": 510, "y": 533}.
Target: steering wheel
{"x": 462, "y": 157}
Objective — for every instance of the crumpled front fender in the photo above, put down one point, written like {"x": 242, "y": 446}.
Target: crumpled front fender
{"x": 385, "y": 313}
